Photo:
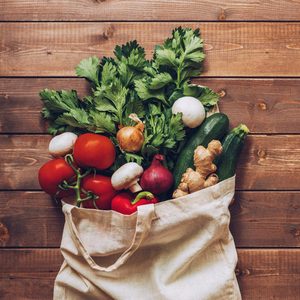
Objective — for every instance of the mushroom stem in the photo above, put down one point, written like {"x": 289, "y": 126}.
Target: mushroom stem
{"x": 135, "y": 187}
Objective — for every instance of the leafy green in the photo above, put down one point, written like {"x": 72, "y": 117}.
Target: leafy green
{"x": 181, "y": 55}
{"x": 129, "y": 83}
{"x": 89, "y": 69}
{"x": 163, "y": 131}
{"x": 145, "y": 93}
{"x": 59, "y": 106}
{"x": 102, "y": 122}
{"x": 207, "y": 97}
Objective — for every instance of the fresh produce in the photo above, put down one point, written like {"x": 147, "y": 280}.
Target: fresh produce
{"x": 102, "y": 188}
{"x": 130, "y": 84}
{"x": 139, "y": 115}
{"x": 125, "y": 203}
{"x": 204, "y": 175}
{"x": 127, "y": 177}
{"x": 157, "y": 179}
{"x": 193, "y": 112}
{"x": 214, "y": 127}
{"x": 131, "y": 138}
{"x": 52, "y": 174}
{"x": 62, "y": 144}
{"x": 232, "y": 146}
{"x": 94, "y": 151}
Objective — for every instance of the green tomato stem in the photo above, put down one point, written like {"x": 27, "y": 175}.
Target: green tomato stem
{"x": 77, "y": 187}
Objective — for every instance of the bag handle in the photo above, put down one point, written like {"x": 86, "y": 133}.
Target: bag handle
{"x": 145, "y": 216}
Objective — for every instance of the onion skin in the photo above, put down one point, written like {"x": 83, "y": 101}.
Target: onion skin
{"x": 157, "y": 179}
{"x": 130, "y": 139}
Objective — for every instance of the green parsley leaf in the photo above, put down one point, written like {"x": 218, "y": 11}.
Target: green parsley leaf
{"x": 181, "y": 54}
{"x": 143, "y": 91}
{"x": 76, "y": 117}
{"x": 160, "y": 80}
{"x": 89, "y": 69}
{"x": 102, "y": 122}
{"x": 207, "y": 96}
{"x": 59, "y": 101}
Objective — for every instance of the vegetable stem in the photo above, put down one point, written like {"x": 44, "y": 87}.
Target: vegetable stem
{"x": 77, "y": 187}
{"x": 141, "y": 195}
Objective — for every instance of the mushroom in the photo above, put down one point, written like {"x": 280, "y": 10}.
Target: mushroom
{"x": 127, "y": 177}
{"x": 62, "y": 144}
{"x": 193, "y": 112}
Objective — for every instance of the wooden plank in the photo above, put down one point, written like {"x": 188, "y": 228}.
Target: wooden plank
{"x": 269, "y": 274}
{"x": 262, "y": 274}
{"x": 27, "y": 10}
{"x": 259, "y": 219}
{"x": 233, "y": 49}
{"x": 29, "y": 219}
{"x": 267, "y": 162}
{"x": 268, "y": 106}
{"x": 28, "y": 274}
{"x": 266, "y": 219}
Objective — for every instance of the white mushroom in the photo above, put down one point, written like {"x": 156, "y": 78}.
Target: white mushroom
{"x": 62, "y": 144}
{"x": 127, "y": 177}
{"x": 193, "y": 112}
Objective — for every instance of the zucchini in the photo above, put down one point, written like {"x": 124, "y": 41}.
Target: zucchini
{"x": 213, "y": 128}
{"x": 232, "y": 146}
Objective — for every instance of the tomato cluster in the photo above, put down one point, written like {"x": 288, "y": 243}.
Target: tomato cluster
{"x": 76, "y": 175}
{"x": 60, "y": 177}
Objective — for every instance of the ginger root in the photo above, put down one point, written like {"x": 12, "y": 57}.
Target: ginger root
{"x": 204, "y": 176}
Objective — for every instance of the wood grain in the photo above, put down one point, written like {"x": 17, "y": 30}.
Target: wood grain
{"x": 29, "y": 219}
{"x": 267, "y": 107}
{"x": 259, "y": 219}
{"x": 28, "y": 273}
{"x": 266, "y": 219}
{"x": 233, "y": 49}
{"x": 17, "y": 10}
{"x": 262, "y": 274}
{"x": 269, "y": 274}
{"x": 267, "y": 162}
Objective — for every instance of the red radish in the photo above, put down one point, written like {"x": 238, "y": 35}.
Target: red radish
{"x": 157, "y": 179}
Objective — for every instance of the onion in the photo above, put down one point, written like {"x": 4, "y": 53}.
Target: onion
{"x": 131, "y": 138}
{"x": 157, "y": 179}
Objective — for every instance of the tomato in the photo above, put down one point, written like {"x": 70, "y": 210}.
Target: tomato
{"x": 101, "y": 186}
{"x": 95, "y": 151}
{"x": 53, "y": 173}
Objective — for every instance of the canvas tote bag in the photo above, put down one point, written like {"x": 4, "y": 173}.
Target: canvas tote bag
{"x": 177, "y": 249}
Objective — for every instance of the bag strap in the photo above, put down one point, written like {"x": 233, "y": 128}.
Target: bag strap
{"x": 145, "y": 216}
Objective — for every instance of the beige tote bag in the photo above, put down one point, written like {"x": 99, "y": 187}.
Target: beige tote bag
{"x": 177, "y": 249}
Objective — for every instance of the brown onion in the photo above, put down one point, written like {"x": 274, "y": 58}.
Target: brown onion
{"x": 131, "y": 138}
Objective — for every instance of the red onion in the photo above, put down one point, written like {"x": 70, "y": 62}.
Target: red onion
{"x": 157, "y": 179}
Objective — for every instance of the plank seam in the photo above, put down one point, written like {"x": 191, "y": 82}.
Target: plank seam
{"x": 148, "y": 21}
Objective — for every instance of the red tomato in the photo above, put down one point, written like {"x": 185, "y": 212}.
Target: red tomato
{"x": 95, "y": 151}
{"x": 101, "y": 186}
{"x": 53, "y": 173}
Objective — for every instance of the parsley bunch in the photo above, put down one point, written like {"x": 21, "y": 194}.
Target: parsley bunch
{"x": 128, "y": 83}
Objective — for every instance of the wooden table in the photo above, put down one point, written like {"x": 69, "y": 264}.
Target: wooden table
{"x": 253, "y": 61}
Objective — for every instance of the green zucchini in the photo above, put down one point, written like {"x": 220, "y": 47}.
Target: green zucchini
{"x": 232, "y": 146}
{"x": 213, "y": 128}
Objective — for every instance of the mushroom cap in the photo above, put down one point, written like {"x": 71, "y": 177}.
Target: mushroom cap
{"x": 126, "y": 175}
{"x": 62, "y": 144}
{"x": 193, "y": 112}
